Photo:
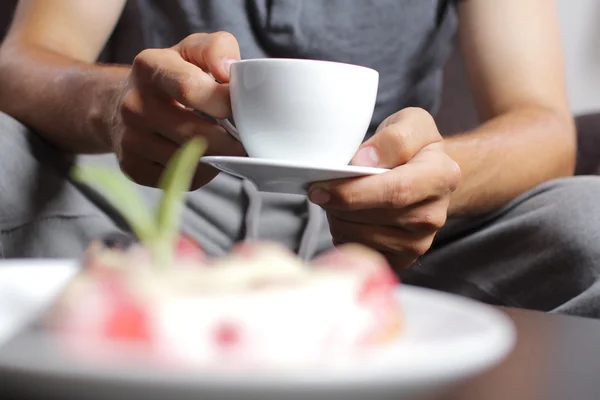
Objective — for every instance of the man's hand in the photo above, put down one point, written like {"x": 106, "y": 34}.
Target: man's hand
{"x": 400, "y": 211}
{"x": 155, "y": 112}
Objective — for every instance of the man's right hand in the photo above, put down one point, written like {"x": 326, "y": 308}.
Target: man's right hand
{"x": 155, "y": 112}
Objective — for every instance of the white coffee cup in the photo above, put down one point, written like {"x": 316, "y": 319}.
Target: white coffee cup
{"x": 305, "y": 111}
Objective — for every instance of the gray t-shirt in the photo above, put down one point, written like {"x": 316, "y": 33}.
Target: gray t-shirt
{"x": 407, "y": 41}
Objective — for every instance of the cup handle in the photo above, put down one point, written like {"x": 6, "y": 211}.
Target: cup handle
{"x": 228, "y": 126}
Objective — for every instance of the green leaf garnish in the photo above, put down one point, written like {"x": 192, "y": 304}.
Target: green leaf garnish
{"x": 175, "y": 181}
{"x": 122, "y": 195}
{"x": 159, "y": 233}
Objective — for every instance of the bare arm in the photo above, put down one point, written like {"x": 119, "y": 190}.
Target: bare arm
{"x": 47, "y": 76}
{"x": 143, "y": 113}
{"x": 514, "y": 59}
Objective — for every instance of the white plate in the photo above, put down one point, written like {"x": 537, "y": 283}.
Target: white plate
{"x": 446, "y": 339}
{"x": 25, "y": 286}
{"x": 283, "y": 176}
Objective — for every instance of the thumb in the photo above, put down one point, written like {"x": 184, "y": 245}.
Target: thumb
{"x": 212, "y": 52}
{"x": 399, "y": 138}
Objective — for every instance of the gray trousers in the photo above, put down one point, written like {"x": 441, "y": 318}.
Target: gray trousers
{"x": 541, "y": 251}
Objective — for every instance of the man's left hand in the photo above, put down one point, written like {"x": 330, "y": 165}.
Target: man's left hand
{"x": 398, "y": 212}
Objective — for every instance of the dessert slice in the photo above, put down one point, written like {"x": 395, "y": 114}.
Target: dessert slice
{"x": 162, "y": 300}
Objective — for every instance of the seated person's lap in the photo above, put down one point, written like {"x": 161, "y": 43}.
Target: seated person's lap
{"x": 541, "y": 251}
{"x": 43, "y": 214}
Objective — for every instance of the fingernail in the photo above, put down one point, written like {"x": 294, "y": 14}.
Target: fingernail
{"x": 456, "y": 167}
{"x": 227, "y": 65}
{"x": 366, "y": 157}
{"x": 319, "y": 196}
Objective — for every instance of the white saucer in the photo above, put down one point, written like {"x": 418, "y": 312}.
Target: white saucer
{"x": 445, "y": 339}
{"x": 284, "y": 176}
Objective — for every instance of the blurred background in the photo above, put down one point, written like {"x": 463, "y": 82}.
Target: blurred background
{"x": 581, "y": 33}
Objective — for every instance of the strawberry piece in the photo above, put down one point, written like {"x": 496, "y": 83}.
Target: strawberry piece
{"x": 377, "y": 296}
{"x": 379, "y": 283}
{"x": 127, "y": 321}
{"x": 227, "y": 335}
{"x": 189, "y": 248}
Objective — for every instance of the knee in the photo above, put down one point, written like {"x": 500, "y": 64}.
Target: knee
{"x": 566, "y": 216}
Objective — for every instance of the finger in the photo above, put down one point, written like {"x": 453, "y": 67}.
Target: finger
{"x": 147, "y": 145}
{"x": 399, "y": 261}
{"x": 211, "y": 52}
{"x": 409, "y": 246}
{"x": 204, "y": 174}
{"x": 399, "y": 138}
{"x": 166, "y": 72}
{"x": 145, "y": 154}
{"x": 429, "y": 177}
{"x": 177, "y": 124}
{"x": 145, "y": 172}
{"x": 424, "y": 217}
{"x": 141, "y": 171}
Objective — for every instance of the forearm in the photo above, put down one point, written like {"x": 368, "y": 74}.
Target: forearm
{"x": 69, "y": 102}
{"x": 509, "y": 155}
